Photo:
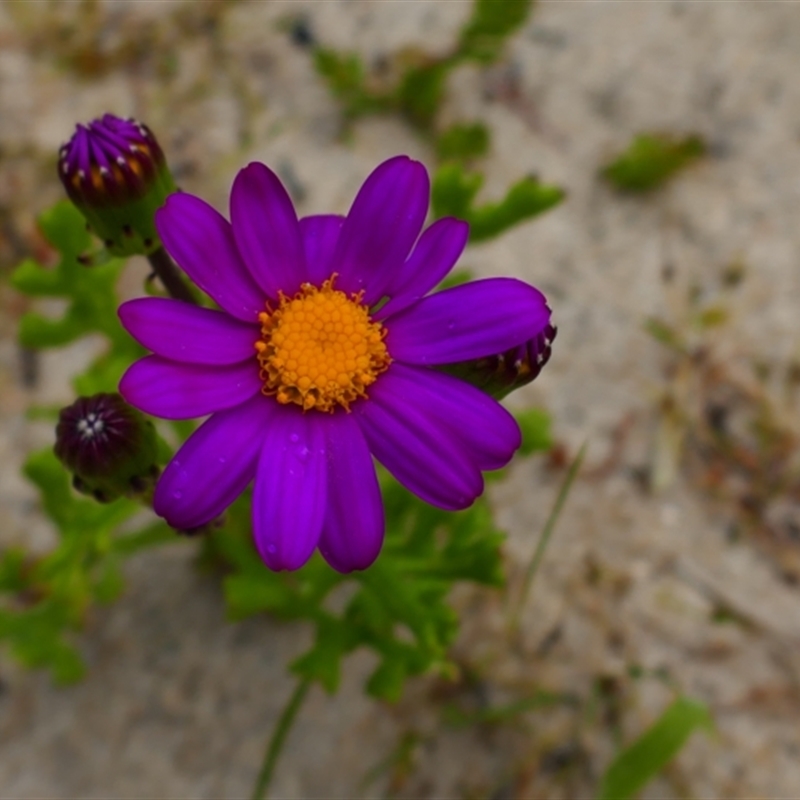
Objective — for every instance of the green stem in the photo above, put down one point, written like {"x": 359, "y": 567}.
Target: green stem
{"x": 277, "y": 739}
{"x": 169, "y": 276}
{"x": 547, "y": 532}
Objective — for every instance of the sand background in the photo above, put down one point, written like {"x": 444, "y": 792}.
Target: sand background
{"x": 178, "y": 702}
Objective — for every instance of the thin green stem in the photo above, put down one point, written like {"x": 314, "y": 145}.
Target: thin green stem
{"x": 276, "y": 740}
{"x": 169, "y": 276}
{"x": 547, "y": 532}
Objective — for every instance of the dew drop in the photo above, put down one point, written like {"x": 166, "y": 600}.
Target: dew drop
{"x": 294, "y": 438}
{"x": 221, "y": 460}
{"x": 272, "y": 549}
{"x": 177, "y": 495}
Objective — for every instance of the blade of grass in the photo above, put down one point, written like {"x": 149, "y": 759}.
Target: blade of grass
{"x": 276, "y": 740}
{"x": 547, "y": 532}
{"x": 639, "y": 763}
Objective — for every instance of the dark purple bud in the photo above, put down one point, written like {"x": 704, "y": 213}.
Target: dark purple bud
{"x": 109, "y": 446}
{"x": 500, "y": 374}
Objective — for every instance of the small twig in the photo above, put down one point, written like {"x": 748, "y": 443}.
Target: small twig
{"x": 277, "y": 738}
{"x": 169, "y": 276}
{"x": 547, "y": 532}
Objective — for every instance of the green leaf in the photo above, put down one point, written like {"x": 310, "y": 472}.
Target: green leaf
{"x": 639, "y": 763}
{"x": 419, "y": 95}
{"x": 13, "y": 568}
{"x": 453, "y": 193}
{"x": 525, "y": 199}
{"x": 651, "y": 159}
{"x": 246, "y": 595}
{"x": 323, "y": 662}
{"x": 386, "y": 683}
{"x": 90, "y": 292}
{"x": 492, "y": 22}
{"x": 463, "y": 141}
{"x": 345, "y": 76}
{"x": 535, "y": 424}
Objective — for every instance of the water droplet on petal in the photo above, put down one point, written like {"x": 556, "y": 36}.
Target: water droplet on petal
{"x": 177, "y": 495}
{"x": 294, "y": 438}
{"x": 222, "y": 460}
{"x": 272, "y": 549}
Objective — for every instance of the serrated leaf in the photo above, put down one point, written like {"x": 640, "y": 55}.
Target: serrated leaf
{"x": 89, "y": 290}
{"x": 323, "y": 662}
{"x": 640, "y": 762}
{"x": 525, "y": 199}
{"x": 453, "y": 193}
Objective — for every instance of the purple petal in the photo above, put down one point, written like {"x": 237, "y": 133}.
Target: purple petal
{"x": 383, "y": 224}
{"x": 289, "y": 496}
{"x": 352, "y": 534}
{"x": 266, "y": 230}
{"x": 320, "y": 235}
{"x": 435, "y": 254}
{"x": 200, "y": 239}
{"x": 170, "y": 390}
{"x": 479, "y": 423}
{"x": 182, "y": 332}
{"x": 473, "y": 320}
{"x": 427, "y": 458}
{"x": 214, "y": 465}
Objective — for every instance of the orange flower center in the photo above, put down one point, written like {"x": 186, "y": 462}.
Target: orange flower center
{"x": 320, "y": 348}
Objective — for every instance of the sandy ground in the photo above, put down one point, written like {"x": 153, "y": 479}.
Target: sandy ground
{"x": 178, "y": 702}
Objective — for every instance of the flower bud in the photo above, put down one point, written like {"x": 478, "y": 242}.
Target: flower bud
{"x": 500, "y": 374}
{"x": 109, "y": 446}
{"x": 115, "y": 173}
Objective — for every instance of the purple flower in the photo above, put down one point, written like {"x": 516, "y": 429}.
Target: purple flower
{"x": 323, "y": 355}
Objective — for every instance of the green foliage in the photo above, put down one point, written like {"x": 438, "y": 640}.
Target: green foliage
{"x": 90, "y": 294}
{"x": 344, "y": 73}
{"x": 453, "y": 194}
{"x": 651, "y": 159}
{"x": 397, "y": 608}
{"x": 462, "y": 142}
{"x": 641, "y": 761}
{"x": 41, "y": 600}
{"x": 417, "y": 93}
{"x": 492, "y": 22}
{"x": 536, "y": 427}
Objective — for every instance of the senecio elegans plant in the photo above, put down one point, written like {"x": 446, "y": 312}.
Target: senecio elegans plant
{"x": 315, "y": 347}
{"x": 322, "y": 352}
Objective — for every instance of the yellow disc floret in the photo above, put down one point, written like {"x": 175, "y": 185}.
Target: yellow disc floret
{"x": 320, "y": 348}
